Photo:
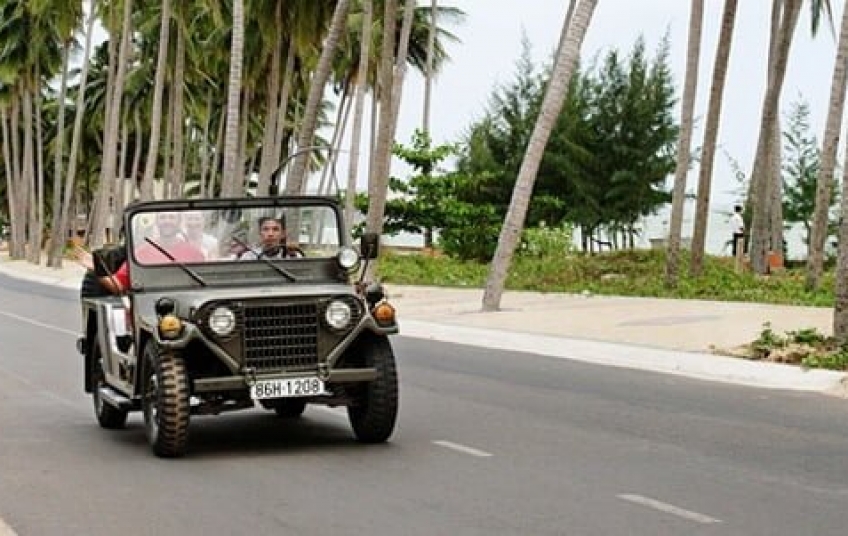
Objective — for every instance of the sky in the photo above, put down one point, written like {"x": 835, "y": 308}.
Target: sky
{"x": 491, "y": 38}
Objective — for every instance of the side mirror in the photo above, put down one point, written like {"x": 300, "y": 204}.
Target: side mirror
{"x": 369, "y": 245}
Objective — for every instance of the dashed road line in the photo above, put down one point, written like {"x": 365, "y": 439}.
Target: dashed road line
{"x": 669, "y": 508}
{"x": 37, "y": 323}
{"x": 463, "y": 448}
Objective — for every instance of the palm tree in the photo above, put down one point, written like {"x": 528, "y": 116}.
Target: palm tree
{"x": 761, "y": 189}
{"x": 150, "y": 165}
{"x": 428, "y": 75}
{"x": 233, "y": 173}
{"x": 693, "y": 54}
{"x": 711, "y": 127}
{"x": 393, "y": 70}
{"x": 824, "y": 182}
{"x": 297, "y": 177}
{"x": 359, "y": 106}
{"x": 568, "y": 54}
{"x": 69, "y": 18}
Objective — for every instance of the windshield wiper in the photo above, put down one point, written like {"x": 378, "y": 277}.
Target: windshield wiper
{"x": 194, "y": 275}
{"x": 261, "y": 256}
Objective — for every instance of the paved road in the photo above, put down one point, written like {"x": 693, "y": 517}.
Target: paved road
{"x": 489, "y": 442}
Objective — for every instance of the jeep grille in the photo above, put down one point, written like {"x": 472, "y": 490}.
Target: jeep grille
{"x": 281, "y": 336}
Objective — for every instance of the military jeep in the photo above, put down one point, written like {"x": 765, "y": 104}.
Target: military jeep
{"x": 202, "y": 335}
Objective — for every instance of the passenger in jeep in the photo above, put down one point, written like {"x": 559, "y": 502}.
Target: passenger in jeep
{"x": 165, "y": 247}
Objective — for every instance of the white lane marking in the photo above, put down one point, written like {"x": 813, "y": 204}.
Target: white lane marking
{"x": 6, "y": 530}
{"x": 37, "y": 323}
{"x": 669, "y": 508}
{"x": 37, "y": 389}
{"x": 462, "y": 448}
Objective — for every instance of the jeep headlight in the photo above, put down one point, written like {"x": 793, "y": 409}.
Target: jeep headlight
{"x": 222, "y": 321}
{"x": 338, "y": 314}
{"x": 348, "y": 258}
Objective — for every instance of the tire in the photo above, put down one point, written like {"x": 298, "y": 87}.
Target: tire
{"x": 291, "y": 408}
{"x": 374, "y": 411}
{"x": 165, "y": 402}
{"x": 109, "y": 417}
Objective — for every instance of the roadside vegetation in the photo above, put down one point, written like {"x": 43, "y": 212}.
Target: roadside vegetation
{"x": 621, "y": 273}
{"x": 640, "y": 273}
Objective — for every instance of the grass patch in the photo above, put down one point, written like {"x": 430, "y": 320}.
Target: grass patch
{"x": 621, "y": 273}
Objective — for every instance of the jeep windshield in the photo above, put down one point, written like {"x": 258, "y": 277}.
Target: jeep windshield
{"x": 193, "y": 234}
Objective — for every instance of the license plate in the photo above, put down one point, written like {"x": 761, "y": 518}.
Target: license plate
{"x": 287, "y": 388}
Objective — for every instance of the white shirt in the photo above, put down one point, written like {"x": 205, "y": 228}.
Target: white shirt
{"x": 737, "y": 223}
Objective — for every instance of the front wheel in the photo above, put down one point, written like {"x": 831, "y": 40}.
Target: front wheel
{"x": 108, "y": 416}
{"x": 374, "y": 411}
{"x": 165, "y": 402}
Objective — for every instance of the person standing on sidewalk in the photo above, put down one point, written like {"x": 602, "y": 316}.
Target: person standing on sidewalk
{"x": 737, "y": 225}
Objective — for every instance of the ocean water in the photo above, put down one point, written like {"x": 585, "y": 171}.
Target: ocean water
{"x": 653, "y": 231}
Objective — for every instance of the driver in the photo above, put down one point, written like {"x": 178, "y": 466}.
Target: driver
{"x": 272, "y": 242}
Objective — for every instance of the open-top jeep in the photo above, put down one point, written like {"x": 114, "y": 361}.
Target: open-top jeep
{"x": 213, "y": 321}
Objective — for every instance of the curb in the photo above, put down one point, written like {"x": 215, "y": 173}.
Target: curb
{"x": 689, "y": 364}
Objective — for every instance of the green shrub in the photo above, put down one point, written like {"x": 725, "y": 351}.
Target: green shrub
{"x": 837, "y": 360}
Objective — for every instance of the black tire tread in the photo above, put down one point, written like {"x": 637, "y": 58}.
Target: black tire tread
{"x": 374, "y": 414}
{"x": 169, "y": 436}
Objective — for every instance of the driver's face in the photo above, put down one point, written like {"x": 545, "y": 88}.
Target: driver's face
{"x": 271, "y": 233}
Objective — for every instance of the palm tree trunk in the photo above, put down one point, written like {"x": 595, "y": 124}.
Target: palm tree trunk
{"x": 231, "y": 135}
{"x": 40, "y": 196}
{"x": 244, "y": 173}
{"x": 760, "y": 185}
{"x": 267, "y": 162}
{"x": 137, "y": 152}
{"x": 211, "y": 189}
{"x": 359, "y": 108}
{"x": 282, "y": 115}
{"x": 297, "y": 177}
{"x": 17, "y": 248}
{"x": 693, "y": 55}
{"x": 168, "y": 148}
{"x": 345, "y": 104}
{"x": 34, "y": 243}
{"x": 428, "y": 72}
{"x": 56, "y": 237}
{"x": 566, "y": 62}
{"x": 11, "y": 185}
{"x": 824, "y": 181}
{"x": 705, "y": 175}
{"x": 76, "y": 136}
{"x": 150, "y": 165}
{"x": 110, "y": 150}
{"x": 392, "y": 78}
{"x": 178, "y": 115}
{"x": 776, "y": 190}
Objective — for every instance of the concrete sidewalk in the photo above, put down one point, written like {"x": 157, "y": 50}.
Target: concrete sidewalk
{"x": 663, "y": 335}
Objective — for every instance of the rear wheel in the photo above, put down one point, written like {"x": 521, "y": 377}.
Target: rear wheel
{"x": 374, "y": 411}
{"x": 108, "y": 416}
{"x": 165, "y": 402}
